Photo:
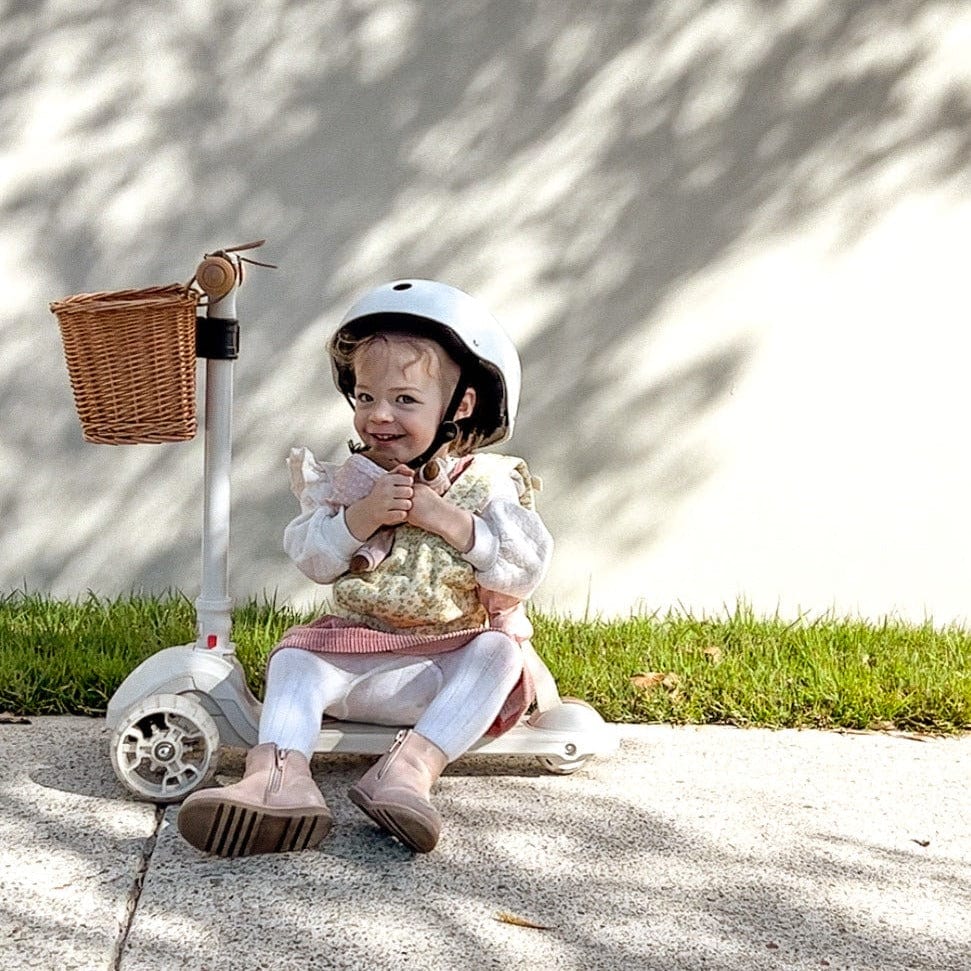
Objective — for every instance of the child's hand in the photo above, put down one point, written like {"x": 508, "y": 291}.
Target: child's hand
{"x": 435, "y": 514}
{"x": 426, "y": 507}
{"x": 388, "y": 503}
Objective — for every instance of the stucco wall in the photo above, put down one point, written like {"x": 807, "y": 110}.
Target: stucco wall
{"x": 729, "y": 237}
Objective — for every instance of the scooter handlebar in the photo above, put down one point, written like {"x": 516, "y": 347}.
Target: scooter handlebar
{"x": 216, "y": 275}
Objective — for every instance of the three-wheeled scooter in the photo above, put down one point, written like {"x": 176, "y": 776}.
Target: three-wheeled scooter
{"x": 171, "y": 715}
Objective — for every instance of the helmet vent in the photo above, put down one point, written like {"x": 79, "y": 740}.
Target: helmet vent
{"x": 401, "y": 286}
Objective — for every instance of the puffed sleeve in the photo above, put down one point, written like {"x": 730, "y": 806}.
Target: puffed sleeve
{"x": 512, "y": 547}
{"x": 318, "y": 540}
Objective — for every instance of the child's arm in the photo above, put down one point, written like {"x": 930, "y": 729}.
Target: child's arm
{"x": 511, "y": 550}
{"x": 387, "y": 504}
{"x": 508, "y": 546}
{"x": 320, "y": 544}
{"x": 434, "y": 513}
{"x": 322, "y": 540}
{"x": 317, "y": 541}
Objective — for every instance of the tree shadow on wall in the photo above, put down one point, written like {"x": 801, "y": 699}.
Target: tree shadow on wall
{"x": 576, "y": 167}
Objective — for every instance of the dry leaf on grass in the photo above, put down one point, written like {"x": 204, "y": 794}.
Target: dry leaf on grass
{"x": 714, "y": 653}
{"x": 656, "y": 679}
{"x": 647, "y": 681}
{"x": 504, "y": 917}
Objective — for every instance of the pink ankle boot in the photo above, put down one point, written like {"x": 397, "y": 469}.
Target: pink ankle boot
{"x": 276, "y": 807}
{"x": 395, "y": 791}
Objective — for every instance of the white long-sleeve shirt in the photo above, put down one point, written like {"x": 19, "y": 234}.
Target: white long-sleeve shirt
{"x": 510, "y": 553}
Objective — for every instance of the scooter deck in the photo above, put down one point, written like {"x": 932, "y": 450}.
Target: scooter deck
{"x": 358, "y": 738}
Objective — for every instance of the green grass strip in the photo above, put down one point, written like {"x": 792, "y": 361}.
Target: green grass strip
{"x": 69, "y": 657}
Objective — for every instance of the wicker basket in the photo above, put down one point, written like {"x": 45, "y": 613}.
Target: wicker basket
{"x": 131, "y": 358}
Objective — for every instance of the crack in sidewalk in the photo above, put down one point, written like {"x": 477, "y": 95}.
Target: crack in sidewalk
{"x": 135, "y": 892}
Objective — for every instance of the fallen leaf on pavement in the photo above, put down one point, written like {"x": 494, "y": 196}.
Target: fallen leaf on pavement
{"x": 503, "y": 916}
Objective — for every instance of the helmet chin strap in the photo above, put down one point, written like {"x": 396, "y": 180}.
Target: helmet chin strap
{"x": 448, "y": 431}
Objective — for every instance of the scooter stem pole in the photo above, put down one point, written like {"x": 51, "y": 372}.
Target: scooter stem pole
{"x": 214, "y": 606}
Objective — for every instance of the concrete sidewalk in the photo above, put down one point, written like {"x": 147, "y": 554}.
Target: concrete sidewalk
{"x": 693, "y": 848}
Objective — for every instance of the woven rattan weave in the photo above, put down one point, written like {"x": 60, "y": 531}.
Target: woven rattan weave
{"x": 131, "y": 358}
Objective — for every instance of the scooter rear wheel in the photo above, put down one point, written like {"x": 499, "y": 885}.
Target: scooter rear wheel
{"x": 562, "y": 766}
{"x": 165, "y": 747}
{"x": 577, "y": 720}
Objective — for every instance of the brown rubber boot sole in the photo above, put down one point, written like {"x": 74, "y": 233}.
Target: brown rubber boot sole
{"x": 228, "y": 829}
{"x": 411, "y": 827}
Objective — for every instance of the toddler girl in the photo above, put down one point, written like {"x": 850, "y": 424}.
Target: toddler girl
{"x": 431, "y": 548}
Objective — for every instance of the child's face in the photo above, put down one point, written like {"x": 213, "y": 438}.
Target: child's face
{"x": 402, "y": 387}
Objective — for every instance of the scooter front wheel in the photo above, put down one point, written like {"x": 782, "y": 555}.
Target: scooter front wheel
{"x": 165, "y": 747}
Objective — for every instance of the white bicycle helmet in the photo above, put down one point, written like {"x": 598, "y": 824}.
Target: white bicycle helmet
{"x": 470, "y": 334}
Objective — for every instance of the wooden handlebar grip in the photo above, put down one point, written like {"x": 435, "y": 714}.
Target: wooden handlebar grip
{"x": 217, "y": 276}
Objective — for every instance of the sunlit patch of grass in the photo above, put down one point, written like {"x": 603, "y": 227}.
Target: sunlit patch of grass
{"x": 59, "y": 656}
{"x": 744, "y": 670}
